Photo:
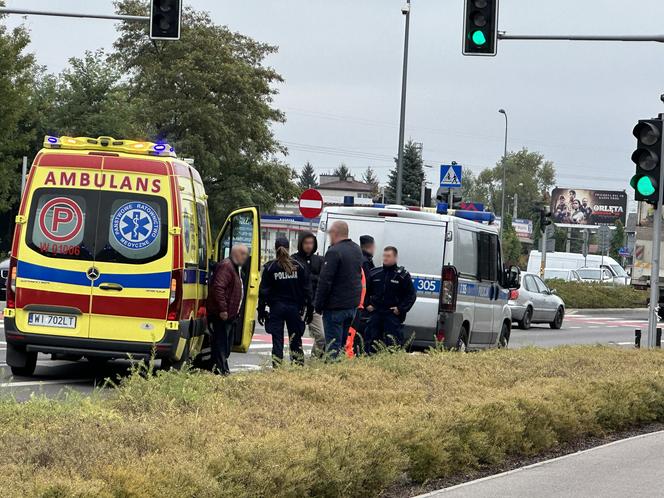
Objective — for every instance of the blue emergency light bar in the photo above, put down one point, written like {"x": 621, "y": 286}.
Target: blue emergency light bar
{"x": 479, "y": 216}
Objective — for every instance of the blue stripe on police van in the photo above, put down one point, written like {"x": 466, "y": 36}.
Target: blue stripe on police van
{"x": 130, "y": 281}
{"x": 426, "y": 285}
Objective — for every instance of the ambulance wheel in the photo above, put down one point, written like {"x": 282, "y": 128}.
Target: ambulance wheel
{"x": 504, "y": 339}
{"x": 27, "y": 361}
{"x": 168, "y": 363}
{"x": 527, "y": 319}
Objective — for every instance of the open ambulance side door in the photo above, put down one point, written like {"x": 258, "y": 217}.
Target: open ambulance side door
{"x": 243, "y": 227}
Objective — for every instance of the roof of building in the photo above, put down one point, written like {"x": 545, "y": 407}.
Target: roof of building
{"x": 352, "y": 185}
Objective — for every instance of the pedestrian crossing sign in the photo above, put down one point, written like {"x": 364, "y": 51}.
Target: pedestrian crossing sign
{"x": 450, "y": 175}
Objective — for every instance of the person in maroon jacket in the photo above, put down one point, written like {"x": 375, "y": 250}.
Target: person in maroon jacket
{"x": 224, "y": 302}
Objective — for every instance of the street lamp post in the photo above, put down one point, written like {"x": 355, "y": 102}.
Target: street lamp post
{"x": 405, "y": 10}
{"x": 502, "y": 204}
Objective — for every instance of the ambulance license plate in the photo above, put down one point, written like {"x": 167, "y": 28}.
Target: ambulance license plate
{"x": 47, "y": 320}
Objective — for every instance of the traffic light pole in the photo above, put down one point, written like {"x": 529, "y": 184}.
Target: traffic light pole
{"x": 78, "y": 15}
{"x": 654, "y": 274}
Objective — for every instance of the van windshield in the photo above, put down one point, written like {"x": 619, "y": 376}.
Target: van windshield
{"x": 115, "y": 227}
{"x": 620, "y": 271}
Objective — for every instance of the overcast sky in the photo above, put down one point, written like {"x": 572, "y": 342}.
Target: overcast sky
{"x": 574, "y": 102}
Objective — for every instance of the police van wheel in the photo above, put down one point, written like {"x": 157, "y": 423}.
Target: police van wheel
{"x": 504, "y": 339}
{"x": 462, "y": 341}
{"x": 527, "y": 319}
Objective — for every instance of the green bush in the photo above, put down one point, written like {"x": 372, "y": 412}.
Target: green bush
{"x": 595, "y": 295}
{"x": 349, "y": 429}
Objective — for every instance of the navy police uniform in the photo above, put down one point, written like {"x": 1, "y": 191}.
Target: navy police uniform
{"x": 289, "y": 297}
{"x": 388, "y": 288}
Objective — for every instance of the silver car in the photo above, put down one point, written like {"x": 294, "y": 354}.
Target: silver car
{"x": 561, "y": 274}
{"x": 534, "y": 302}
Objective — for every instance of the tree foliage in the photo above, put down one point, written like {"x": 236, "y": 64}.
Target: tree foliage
{"x": 210, "y": 95}
{"x": 511, "y": 243}
{"x": 369, "y": 176}
{"x": 412, "y": 176}
{"x": 342, "y": 172}
{"x": 307, "y": 177}
{"x": 617, "y": 240}
{"x": 527, "y": 173}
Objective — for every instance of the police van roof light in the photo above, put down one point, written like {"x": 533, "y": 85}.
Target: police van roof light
{"x": 109, "y": 143}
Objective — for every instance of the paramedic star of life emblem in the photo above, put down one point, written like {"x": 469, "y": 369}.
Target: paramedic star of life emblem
{"x": 135, "y": 225}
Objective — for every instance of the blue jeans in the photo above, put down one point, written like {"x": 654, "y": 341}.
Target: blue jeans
{"x": 336, "y": 324}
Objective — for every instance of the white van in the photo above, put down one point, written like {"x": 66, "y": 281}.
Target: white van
{"x": 456, "y": 265}
{"x": 574, "y": 261}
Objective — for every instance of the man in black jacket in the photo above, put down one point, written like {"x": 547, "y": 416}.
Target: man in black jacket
{"x": 339, "y": 286}
{"x": 390, "y": 296}
{"x": 307, "y": 247}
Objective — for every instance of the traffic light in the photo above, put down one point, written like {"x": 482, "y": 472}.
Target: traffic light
{"x": 648, "y": 160}
{"x": 480, "y": 27}
{"x": 165, "y": 19}
{"x": 456, "y": 199}
{"x": 545, "y": 218}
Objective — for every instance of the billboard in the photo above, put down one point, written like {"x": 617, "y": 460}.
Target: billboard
{"x": 588, "y": 207}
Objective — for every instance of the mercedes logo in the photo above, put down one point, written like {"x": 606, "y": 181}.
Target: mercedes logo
{"x": 93, "y": 273}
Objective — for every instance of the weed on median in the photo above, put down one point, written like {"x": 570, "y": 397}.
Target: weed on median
{"x": 353, "y": 428}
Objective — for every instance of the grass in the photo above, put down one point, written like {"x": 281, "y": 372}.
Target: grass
{"x": 591, "y": 295}
{"x": 349, "y": 429}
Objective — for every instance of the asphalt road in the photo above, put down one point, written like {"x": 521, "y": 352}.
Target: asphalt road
{"x": 631, "y": 467}
{"x": 54, "y": 378}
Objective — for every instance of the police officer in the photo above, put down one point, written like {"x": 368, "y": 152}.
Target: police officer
{"x": 286, "y": 289}
{"x": 390, "y": 296}
{"x": 368, "y": 246}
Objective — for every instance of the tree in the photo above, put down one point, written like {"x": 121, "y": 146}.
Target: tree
{"x": 412, "y": 176}
{"x": 617, "y": 240}
{"x": 527, "y": 173}
{"x": 511, "y": 243}
{"x": 91, "y": 99}
{"x": 307, "y": 178}
{"x": 369, "y": 176}
{"x": 342, "y": 172}
{"x": 210, "y": 95}
{"x": 17, "y": 136}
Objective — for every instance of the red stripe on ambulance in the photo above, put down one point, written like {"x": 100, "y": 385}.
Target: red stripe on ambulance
{"x": 73, "y": 161}
{"x": 135, "y": 165}
{"x": 49, "y": 298}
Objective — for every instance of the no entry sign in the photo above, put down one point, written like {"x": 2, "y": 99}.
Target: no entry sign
{"x": 311, "y": 203}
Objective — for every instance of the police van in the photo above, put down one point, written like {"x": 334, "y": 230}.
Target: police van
{"x": 110, "y": 256}
{"x": 456, "y": 265}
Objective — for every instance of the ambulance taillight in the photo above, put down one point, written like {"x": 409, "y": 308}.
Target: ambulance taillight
{"x": 11, "y": 284}
{"x": 175, "y": 297}
{"x": 448, "y": 290}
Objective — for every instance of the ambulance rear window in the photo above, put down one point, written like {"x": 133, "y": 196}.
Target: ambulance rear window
{"x": 133, "y": 228}
{"x": 62, "y": 223}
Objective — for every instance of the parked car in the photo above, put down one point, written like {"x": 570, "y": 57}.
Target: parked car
{"x": 4, "y": 272}
{"x": 597, "y": 275}
{"x": 535, "y": 302}
{"x": 561, "y": 274}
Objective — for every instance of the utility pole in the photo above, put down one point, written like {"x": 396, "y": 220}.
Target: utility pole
{"x": 405, "y": 10}
{"x": 516, "y": 206}
{"x": 504, "y": 184}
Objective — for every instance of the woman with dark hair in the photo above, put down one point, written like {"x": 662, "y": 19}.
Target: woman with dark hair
{"x": 286, "y": 290}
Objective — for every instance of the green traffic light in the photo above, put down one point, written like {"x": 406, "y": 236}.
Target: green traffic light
{"x": 479, "y": 38}
{"x": 645, "y": 186}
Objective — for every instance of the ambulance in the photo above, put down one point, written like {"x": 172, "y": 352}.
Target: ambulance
{"x": 111, "y": 256}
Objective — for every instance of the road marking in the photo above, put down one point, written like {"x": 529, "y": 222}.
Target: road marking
{"x": 573, "y": 327}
